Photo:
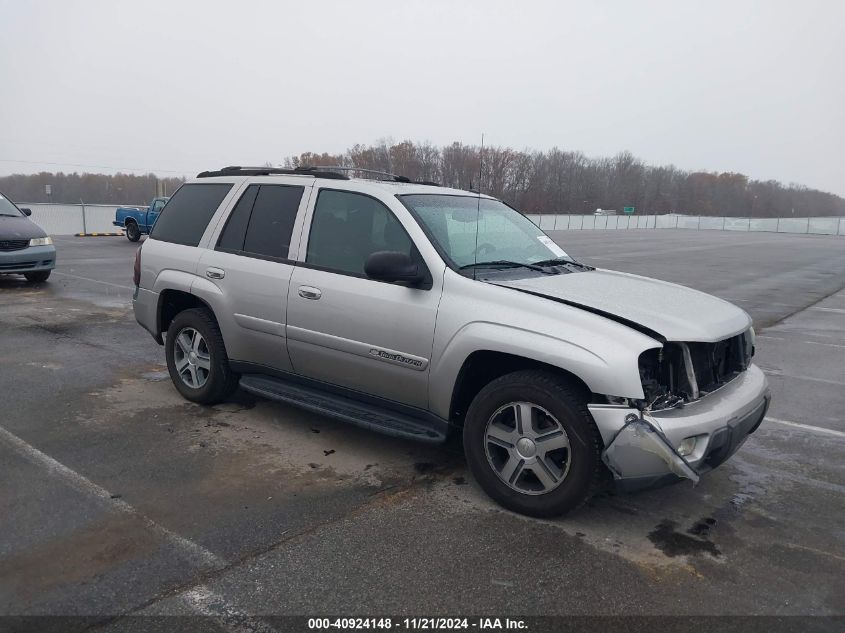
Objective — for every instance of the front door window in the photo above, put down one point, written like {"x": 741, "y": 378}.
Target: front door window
{"x": 348, "y": 227}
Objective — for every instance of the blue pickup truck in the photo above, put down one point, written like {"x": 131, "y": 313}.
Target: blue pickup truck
{"x": 138, "y": 220}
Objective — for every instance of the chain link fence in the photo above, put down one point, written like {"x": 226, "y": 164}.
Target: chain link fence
{"x": 811, "y": 226}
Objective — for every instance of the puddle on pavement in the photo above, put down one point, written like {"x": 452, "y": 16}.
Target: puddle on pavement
{"x": 156, "y": 376}
{"x": 671, "y": 542}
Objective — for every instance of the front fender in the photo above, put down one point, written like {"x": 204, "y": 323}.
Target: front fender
{"x": 614, "y": 375}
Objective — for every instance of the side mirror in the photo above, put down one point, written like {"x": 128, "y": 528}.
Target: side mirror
{"x": 26, "y": 212}
{"x": 392, "y": 266}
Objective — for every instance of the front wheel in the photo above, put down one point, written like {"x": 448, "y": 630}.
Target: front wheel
{"x": 532, "y": 445}
{"x": 196, "y": 358}
{"x": 133, "y": 233}
{"x": 37, "y": 277}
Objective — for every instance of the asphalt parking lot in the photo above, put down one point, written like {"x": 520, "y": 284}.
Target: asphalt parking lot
{"x": 118, "y": 497}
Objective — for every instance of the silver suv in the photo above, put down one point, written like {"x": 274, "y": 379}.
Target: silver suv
{"x": 417, "y": 310}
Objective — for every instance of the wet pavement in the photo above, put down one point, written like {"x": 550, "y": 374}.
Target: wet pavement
{"x": 118, "y": 497}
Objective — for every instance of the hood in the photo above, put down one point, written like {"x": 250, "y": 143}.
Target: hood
{"x": 676, "y": 313}
{"x": 19, "y": 228}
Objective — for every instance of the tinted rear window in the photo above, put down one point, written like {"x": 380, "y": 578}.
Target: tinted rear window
{"x": 185, "y": 216}
{"x": 262, "y": 221}
{"x": 271, "y": 224}
{"x": 232, "y": 238}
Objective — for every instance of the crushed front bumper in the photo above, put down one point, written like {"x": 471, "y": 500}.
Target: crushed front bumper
{"x": 642, "y": 449}
{"x": 28, "y": 260}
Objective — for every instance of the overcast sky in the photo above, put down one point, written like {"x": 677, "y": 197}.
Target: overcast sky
{"x": 177, "y": 87}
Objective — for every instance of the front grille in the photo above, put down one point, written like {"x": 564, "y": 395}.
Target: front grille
{"x": 18, "y": 265}
{"x": 717, "y": 363}
{"x": 13, "y": 245}
{"x": 669, "y": 379}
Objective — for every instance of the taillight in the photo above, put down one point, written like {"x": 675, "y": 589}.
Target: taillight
{"x": 136, "y": 271}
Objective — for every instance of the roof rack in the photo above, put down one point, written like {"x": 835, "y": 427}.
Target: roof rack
{"x": 388, "y": 175}
{"x": 336, "y": 168}
{"x": 317, "y": 171}
{"x": 237, "y": 170}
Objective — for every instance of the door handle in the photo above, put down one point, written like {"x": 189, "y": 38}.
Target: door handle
{"x": 309, "y": 292}
{"x": 215, "y": 273}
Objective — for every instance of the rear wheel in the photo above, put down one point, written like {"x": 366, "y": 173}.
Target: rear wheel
{"x": 532, "y": 445}
{"x": 196, "y": 358}
{"x": 133, "y": 233}
{"x": 36, "y": 277}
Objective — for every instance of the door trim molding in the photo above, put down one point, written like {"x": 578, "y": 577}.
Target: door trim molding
{"x": 358, "y": 348}
{"x": 260, "y": 325}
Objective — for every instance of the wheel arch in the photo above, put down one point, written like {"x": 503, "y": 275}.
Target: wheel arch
{"x": 171, "y": 302}
{"x": 482, "y": 367}
{"x": 593, "y": 361}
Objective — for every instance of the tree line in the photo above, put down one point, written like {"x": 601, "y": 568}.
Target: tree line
{"x": 90, "y": 188}
{"x": 559, "y": 181}
{"x": 553, "y": 181}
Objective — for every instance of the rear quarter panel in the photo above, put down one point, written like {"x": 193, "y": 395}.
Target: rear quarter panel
{"x": 168, "y": 266}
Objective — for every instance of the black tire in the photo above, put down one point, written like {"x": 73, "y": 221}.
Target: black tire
{"x": 37, "y": 277}
{"x": 568, "y": 405}
{"x": 133, "y": 233}
{"x": 221, "y": 381}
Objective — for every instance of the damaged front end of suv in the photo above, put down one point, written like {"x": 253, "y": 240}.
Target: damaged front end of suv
{"x": 700, "y": 402}
{"x": 680, "y": 373}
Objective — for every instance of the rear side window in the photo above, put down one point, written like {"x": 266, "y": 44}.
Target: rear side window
{"x": 261, "y": 223}
{"x": 185, "y": 216}
{"x": 232, "y": 238}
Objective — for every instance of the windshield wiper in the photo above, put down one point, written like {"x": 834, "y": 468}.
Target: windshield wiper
{"x": 562, "y": 262}
{"x": 505, "y": 263}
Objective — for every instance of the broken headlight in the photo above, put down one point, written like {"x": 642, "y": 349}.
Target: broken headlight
{"x": 664, "y": 378}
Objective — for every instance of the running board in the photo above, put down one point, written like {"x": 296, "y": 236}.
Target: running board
{"x": 361, "y": 414}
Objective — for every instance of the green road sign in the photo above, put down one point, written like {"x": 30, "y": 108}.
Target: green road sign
{"x": 628, "y": 210}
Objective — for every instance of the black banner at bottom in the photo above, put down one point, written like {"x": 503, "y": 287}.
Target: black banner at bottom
{"x": 536, "y": 624}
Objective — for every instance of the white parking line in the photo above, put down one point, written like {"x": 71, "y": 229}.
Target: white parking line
{"x": 768, "y": 303}
{"x": 86, "y": 486}
{"x": 837, "y": 310}
{"x": 96, "y": 281}
{"x": 825, "y": 381}
{"x": 208, "y": 603}
{"x": 777, "y": 338}
{"x": 200, "y": 599}
{"x": 825, "y": 344}
{"x": 806, "y": 427}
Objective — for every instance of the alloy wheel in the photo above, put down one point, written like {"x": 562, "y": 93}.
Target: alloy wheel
{"x": 192, "y": 358}
{"x": 527, "y": 448}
